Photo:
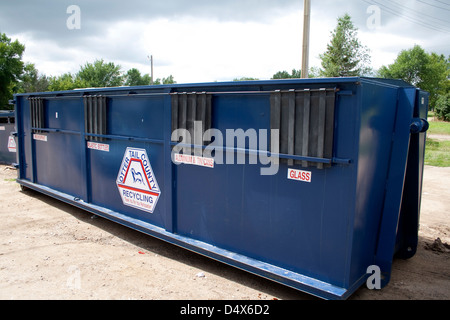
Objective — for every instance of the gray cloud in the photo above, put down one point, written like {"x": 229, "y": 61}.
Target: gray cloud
{"x": 47, "y": 18}
{"x": 44, "y": 21}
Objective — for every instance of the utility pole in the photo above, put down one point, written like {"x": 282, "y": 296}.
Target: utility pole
{"x": 306, "y": 31}
{"x": 151, "y": 62}
{"x": 151, "y": 59}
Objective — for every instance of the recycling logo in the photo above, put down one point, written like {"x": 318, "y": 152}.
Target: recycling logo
{"x": 136, "y": 181}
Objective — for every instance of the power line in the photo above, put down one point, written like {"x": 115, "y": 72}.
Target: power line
{"x": 447, "y": 4}
{"x": 414, "y": 20}
{"x": 432, "y": 5}
{"x": 417, "y": 12}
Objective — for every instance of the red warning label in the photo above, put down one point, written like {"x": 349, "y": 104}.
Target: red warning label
{"x": 299, "y": 175}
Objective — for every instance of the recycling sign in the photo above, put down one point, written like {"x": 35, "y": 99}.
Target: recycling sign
{"x": 136, "y": 181}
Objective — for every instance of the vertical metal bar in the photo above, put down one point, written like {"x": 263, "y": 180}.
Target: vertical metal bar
{"x": 35, "y": 114}
{"x": 85, "y": 158}
{"x": 329, "y": 126}
{"x": 199, "y": 115}
{"x": 291, "y": 126}
{"x": 202, "y": 108}
{"x": 33, "y": 142}
{"x": 41, "y": 112}
{"x": 208, "y": 117}
{"x": 170, "y": 117}
{"x": 183, "y": 120}
{"x": 99, "y": 116}
{"x": 88, "y": 116}
{"x": 275, "y": 115}
{"x": 299, "y": 100}
{"x": 174, "y": 115}
{"x": 86, "y": 112}
{"x": 306, "y": 120}
{"x": 191, "y": 112}
{"x": 94, "y": 117}
{"x": 321, "y": 132}
{"x": 103, "y": 116}
{"x": 32, "y": 114}
{"x": 183, "y": 111}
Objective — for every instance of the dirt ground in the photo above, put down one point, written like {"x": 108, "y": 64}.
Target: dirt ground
{"x": 51, "y": 250}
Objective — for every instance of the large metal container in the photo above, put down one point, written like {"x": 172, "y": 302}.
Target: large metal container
{"x": 7, "y": 141}
{"x": 336, "y": 196}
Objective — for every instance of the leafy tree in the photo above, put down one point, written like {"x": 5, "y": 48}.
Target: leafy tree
{"x": 32, "y": 81}
{"x": 443, "y": 107}
{"x": 430, "y": 72}
{"x": 66, "y": 81}
{"x": 345, "y": 55}
{"x": 101, "y": 74}
{"x": 169, "y": 80}
{"x": 245, "y": 79}
{"x": 134, "y": 78}
{"x": 296, "y": 74}
{"x": 11, "y": 67}
{"x": 410, "y": 66}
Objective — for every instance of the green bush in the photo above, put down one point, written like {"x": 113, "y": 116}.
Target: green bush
{"x": 443, "y": 107}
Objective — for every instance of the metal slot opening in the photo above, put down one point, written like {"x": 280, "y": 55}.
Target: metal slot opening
{"x": 95, "y": 116}
{"x": 37, "y": 114}
{"x": 187, "y": 108}
{"x": 305, "y": 120}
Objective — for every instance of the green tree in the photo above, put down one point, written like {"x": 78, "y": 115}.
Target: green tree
{"x": 345, "y": 55}
{"x": 66, "y": 81}
{"x": 169, "y": 80}
{"x": 245, "y": 79}
{"x": 443, "y": 107}
{"x": 296, "y": 74}
{"x": 32, "y": 80}
{"x": 134, "y": 78}
{"x": 430, "y": 72}
{"x": 101, "y": 74}
{"x": 11, "y": 67}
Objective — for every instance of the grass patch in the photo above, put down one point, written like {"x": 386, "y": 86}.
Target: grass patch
{"x": 439, "y": 127}
{"x": 10, "y": 180}
{"x": 437, "y": 153}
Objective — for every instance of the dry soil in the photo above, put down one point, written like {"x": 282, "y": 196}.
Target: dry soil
{"x": 51, "y": 250}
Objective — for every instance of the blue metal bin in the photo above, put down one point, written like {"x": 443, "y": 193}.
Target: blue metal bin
{"x": 7, "y": 142}
{"x": 304, "y": 182}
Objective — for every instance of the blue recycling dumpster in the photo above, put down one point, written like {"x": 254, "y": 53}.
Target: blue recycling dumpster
{"x": 7, "y": 141}
{"x": 307, "y": 182}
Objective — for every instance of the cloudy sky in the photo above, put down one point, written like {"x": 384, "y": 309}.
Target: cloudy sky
{"x": 213, "y": 40}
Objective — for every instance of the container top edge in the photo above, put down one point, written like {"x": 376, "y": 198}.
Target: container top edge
{"x": 236, "y": 84}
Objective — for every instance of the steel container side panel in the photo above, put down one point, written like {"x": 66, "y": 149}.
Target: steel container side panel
{"x": 134, "y": 116}
{"x": 378, "y": 115}
{"x": 303, "y": 227}
{"x": 104, "y": 168}
{"x": 24, "y": 138}
{"x": 266, "y": 218}
{"x": 58, "y": 163}
{"x": 6, "y": 156}
{"x": 408, "y": 227}
{"x": 65, "y": 114}
{"x": 57, "y": 158}
{"x": 140, "y": 117}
